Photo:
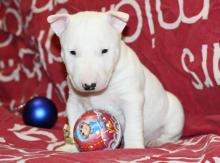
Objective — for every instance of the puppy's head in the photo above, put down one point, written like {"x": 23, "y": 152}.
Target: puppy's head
{"x": 90, "y": 44}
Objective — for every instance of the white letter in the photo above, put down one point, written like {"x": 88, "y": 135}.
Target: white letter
{"x": 182, "y": 18}
{"x": 160, "y": 16}
{"x": 216, "y": 63}
{"x": 7, "y": 41}
{"x": 150, "y": 21}
{"x": 187, "y": 53}
{"x": 208, "y": 81}
{"x": 48, "y": 6}
{"x": 203, "y": 13}
{"x": 17, "y": 16}
{"x": 13, "y": 76}
{"x": 36, "y": 69}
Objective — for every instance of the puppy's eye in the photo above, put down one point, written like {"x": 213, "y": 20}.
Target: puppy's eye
{"x": 104, "y": 51}
{"x": 73, "y": 52}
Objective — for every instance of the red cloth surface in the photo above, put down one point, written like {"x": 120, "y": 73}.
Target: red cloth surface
{"x": 28, "y": 144}
{"x": 178, "y": 42}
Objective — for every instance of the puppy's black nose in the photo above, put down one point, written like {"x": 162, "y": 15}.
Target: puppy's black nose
{"x": 89, "y": 87}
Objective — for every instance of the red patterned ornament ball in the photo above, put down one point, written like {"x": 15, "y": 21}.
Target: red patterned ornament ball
{"x": 97, "y": 130}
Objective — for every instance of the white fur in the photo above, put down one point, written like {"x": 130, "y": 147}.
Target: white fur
{"x": 149, "y": 115}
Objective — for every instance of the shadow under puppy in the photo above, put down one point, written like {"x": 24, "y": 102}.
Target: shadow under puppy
{"x": 103, "y": 72}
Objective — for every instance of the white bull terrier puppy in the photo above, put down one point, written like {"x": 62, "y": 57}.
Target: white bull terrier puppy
{"x": 104, "y": 73}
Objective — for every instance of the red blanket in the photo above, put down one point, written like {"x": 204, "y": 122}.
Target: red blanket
{"x": 28, "y": 144}
{"x": 177, "y": 40}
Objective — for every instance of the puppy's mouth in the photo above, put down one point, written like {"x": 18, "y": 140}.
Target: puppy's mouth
{"x": 84, "y": 88}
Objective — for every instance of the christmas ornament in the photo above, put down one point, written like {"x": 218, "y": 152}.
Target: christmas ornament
{"x": 40, "y": 112}
{"x": 97, "y": 130}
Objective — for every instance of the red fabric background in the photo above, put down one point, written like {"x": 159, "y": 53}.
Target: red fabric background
{"x": 202, "y": 107}
{"x": 30, "y": 65}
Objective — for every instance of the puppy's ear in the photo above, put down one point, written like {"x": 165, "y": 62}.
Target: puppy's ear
{"x": 58, "y": 22}
{"x": 118, "y": 19}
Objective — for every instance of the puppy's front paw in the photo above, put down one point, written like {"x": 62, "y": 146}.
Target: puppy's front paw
{"x": 68, "y": 148}
{"x": 134, "y": 145}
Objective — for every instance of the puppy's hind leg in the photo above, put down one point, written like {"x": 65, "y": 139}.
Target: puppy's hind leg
{"x": 174, "y": 122}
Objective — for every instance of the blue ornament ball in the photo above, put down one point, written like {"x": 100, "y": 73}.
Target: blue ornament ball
{"x": 40, "y": 112}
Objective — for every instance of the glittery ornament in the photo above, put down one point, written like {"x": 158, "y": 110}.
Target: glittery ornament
{"x": 40, "y": 112}
{"x": 97, "y": 130}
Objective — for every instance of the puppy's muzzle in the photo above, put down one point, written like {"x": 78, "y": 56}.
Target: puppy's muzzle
{"x": 89, "y": 87}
